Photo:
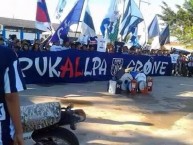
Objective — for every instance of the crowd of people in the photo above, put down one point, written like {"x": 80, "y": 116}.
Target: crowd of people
{"x": 43, "y": 45}
{"x": 182, "y": 66}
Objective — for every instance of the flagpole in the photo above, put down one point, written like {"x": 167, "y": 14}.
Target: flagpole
{"x": 140, "y": 1}
{"x": 123, "y": 13}
{"x": 79, "y": 19}
{"x": 77, "y": 28}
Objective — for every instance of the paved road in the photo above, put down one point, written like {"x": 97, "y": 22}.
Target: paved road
{"x": 164, "y": 117}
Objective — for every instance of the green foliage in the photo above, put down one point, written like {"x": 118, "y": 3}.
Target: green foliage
{"x": 181, "y": 21}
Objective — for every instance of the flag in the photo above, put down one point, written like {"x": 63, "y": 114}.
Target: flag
{"x": 142, "y": 34}
{"x": 111, "y": 17}
{"x": 131, "y": 18}
{"x": 155, "y": 43}
{"x": 115, "y": 31}
{"x": 87, "y": 24}
{"x": 134, "y": 36}
{"x": 60, "y": 8}
{"x": 165, "y": 36}
{"x": 153, "y": 29}
{"x": 42, "y": 17}
{"x": 72, "y": 18}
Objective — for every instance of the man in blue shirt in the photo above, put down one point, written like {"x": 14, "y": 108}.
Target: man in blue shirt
{"x": 11, "y": 82}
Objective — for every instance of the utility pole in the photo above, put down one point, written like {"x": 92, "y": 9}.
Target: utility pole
{"x": 143, "y": 1}
{"x": 145, "y": 27}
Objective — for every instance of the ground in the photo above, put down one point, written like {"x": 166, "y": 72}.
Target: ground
{"x": 163, "y": 117}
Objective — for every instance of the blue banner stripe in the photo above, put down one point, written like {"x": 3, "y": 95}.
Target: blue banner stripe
{"x": 81, "y": 66}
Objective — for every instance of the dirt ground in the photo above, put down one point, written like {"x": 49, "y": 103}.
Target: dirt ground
{"x": 163, "y": 117}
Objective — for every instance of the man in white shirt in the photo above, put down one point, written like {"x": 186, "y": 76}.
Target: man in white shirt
{"x": 174, "y": 58}
{"x": 56, "y": 47}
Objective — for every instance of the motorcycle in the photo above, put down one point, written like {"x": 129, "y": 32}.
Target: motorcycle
{"x": 43, "y": 124}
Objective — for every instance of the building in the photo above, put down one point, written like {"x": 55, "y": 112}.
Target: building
{"x": 25, "y": 29}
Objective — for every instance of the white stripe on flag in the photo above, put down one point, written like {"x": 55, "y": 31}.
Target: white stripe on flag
{"x": 86, "y": 30}
{"x": 155, "y": 43}
{"x": 44, "y": 26}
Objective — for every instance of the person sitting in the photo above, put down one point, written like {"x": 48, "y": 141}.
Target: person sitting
{"x": 124, "y": 77}
{"x": 141, "y": 81}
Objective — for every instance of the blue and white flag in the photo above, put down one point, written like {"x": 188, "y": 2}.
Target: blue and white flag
{"x": 60, "y": 8}
{"x": 153, "y": 29}
{"x": 142, "y": 34}
{"x": 165, "y": 36}
{"x": 131, "y": 18}
{"x": 87, "y": 24}
{"x": 72, "y": 18}
{"x": 42, "y": 17}
{"x": 111, "y": 17}
{"x": 134, "y": 36}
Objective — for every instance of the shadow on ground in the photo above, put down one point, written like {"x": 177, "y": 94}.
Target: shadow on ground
{"x": 170, "y": 100}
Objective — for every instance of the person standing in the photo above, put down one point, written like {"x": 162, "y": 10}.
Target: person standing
{"x": 174, "y": 60}
{"x": 190, "y": 65}
{"x": 11, "y": 82}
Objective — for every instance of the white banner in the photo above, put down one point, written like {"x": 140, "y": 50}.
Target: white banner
{"x": 101, "y": 45}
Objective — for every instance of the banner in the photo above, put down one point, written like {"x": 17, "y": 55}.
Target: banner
{"x": 81, "y": 66}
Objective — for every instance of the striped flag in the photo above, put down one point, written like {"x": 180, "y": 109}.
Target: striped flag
{"x": 165, "y": 36}
{"x": 42, "y": 17}
{"x": 153, "y": 29}
{"x": 60, "y": 8}
{"x": 131, "y": 18}
{"x": 87, "y": 24}
{"x": 154, "y": 32}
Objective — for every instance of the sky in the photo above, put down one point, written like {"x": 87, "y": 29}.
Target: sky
{"x": 26, "y": 9}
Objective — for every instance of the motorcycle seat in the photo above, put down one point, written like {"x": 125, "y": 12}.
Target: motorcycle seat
{"x": 39, "y": 116}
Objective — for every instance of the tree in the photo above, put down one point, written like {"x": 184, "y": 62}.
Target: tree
{"x": 181, "y": 21}
{"x": 168, "y": 14}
